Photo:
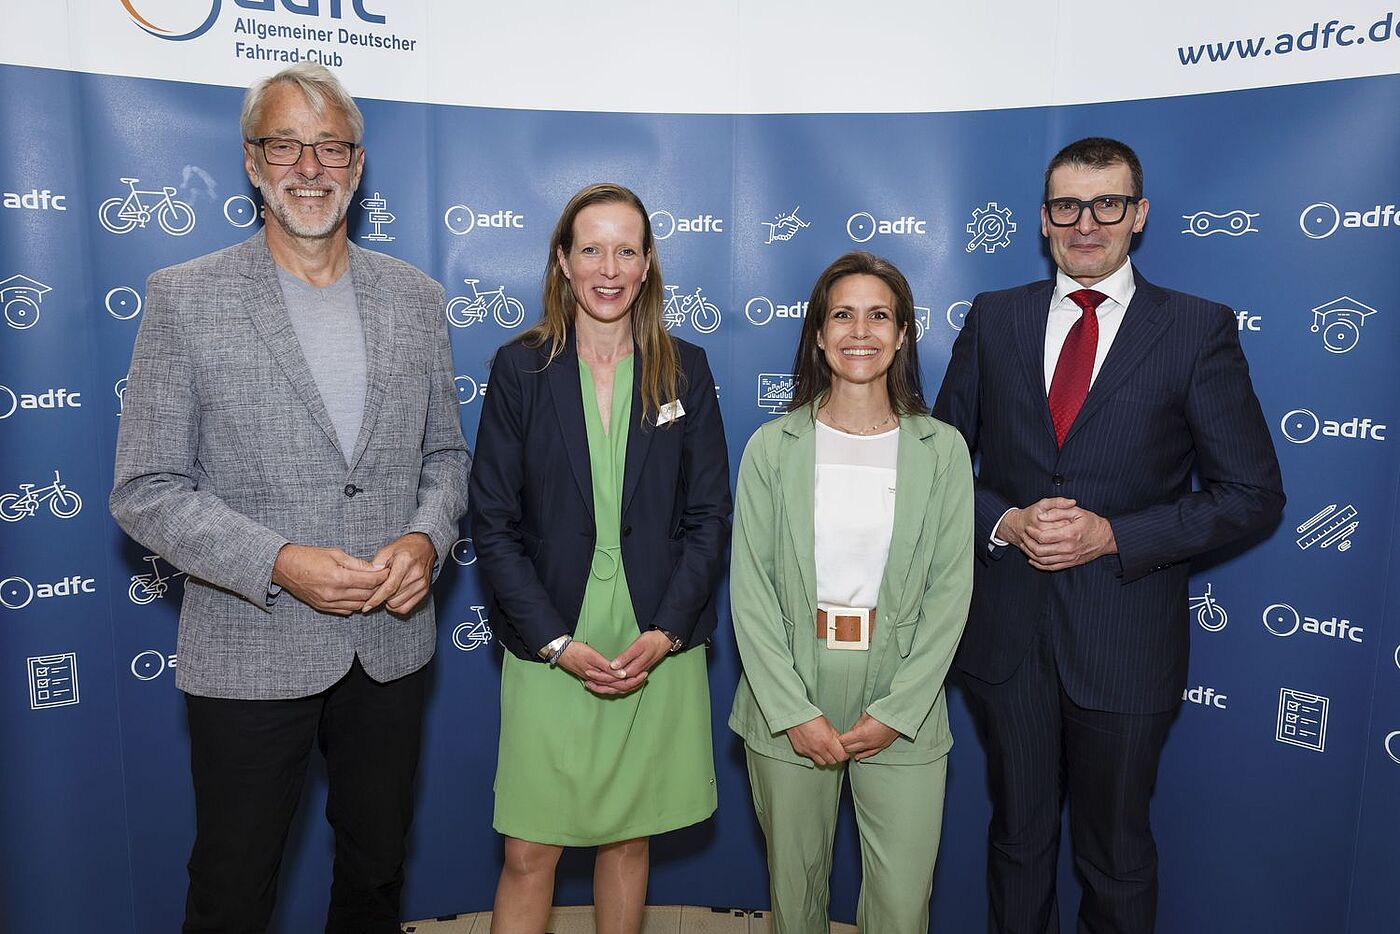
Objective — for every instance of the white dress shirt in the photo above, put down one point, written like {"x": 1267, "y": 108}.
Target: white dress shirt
{"x": 1119, "y": 287}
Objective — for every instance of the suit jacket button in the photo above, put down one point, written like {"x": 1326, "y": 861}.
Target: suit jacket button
{"x": 351, "y": 489}
{"x": 626, "y": 531}
{"x": 1058, "y": 479}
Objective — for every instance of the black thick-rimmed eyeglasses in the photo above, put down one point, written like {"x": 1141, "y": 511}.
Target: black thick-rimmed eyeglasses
{"x": 331, "y": 153}
{"x": 1106, "y": 209}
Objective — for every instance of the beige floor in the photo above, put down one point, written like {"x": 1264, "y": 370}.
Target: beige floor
{"x": 662, "y": 920}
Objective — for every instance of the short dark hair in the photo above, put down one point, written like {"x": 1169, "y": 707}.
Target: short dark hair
{"x": 812, "y": 374}
{"x": 1097, "y": 152}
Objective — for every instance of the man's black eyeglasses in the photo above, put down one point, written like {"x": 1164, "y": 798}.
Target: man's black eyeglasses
{"x": 1106, "y": 209}
{"x": 331, "y": 153}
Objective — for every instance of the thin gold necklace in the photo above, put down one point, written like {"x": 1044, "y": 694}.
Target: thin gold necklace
{"x": 852, "y": 431}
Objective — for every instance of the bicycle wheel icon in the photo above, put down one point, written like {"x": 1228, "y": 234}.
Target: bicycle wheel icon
{"x": 957, "y": 314}
{"x": 663, "y": 224}
{"x": 141, "y": 592}
{"x": 109, "y": 216}
{"x": 16, "y": 593}
{"x": 65, "y": 504}
{"x": 463, "y": 552}
{"x": 175, "y": 218}
{"x": 860, "y": 227}
{"x": 459, "y": 219}
{"x": 123, "y": 303}
{"x": 705, "y": 317}
{"x": 1212, "y": 617}
{"x": 147, "y": 665}
{"x": 1281, "y": 619}
{"x": 10, "y": 509}
{"x": 759, "y": 310}
{"x": 21, "y": 312}
{"x": 240, "y": 211}
{"x": 509, "y": 313}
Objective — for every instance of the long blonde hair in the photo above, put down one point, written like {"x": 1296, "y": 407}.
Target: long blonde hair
{"x": 661, "y": 369}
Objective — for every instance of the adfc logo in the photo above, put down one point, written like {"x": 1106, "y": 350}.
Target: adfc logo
{"x": 174, "y": 34}
{"x": 188, "y": 24}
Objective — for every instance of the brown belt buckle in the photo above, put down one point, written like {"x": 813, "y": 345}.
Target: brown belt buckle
{"x": 836, "y": 613}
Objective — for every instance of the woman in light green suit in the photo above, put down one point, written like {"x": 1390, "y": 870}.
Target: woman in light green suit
{"x": 851, "y": 574}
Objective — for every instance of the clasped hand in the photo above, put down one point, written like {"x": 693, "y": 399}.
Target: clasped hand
{"x": 1056, "y": 534}
{"x": 818, "y": 740}
{"x": 332, "y": 581}
{"x": 621, "y": 675}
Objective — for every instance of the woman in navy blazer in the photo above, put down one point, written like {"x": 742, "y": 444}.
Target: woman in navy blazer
{"x": 600, "y": 511}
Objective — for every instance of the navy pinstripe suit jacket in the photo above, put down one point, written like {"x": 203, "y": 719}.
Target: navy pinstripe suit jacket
{"x": 1173, "y": 397}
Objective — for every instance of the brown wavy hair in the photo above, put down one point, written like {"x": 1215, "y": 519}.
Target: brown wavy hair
{"x": 661, "y": 368}
{"x": 812, "y": 374}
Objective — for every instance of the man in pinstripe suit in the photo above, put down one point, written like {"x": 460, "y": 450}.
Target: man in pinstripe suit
{"x": 290, "y": 438}
{"x": 1092, "y": 399}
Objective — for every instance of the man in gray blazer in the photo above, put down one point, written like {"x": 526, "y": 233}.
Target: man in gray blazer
{"x": 290, "y": 439}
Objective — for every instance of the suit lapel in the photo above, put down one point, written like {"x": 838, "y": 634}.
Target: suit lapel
{"x": 639, "y": 437}
{"x": 269, "y": 313}
{"x": 1143, "y": 323}
{"x": 799, "y": 473}
{"x": 377, "y": 318}
{"x": 1032, "y": 314}
{"x": 913, "y": 487}
{"x": 563, "y": 380}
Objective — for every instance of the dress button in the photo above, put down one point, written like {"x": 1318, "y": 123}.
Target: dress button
{"x": 351, "y": 489}
{"x": 1058, "y": 479}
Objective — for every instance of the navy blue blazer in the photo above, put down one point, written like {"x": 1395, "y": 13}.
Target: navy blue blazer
{"x": 1173, "y": 396}
{"x": 531, "y": 501}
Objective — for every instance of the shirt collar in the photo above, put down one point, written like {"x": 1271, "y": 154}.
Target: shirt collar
{"x": 1119, "y": 286}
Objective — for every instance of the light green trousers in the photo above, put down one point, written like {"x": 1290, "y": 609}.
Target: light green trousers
{"x": 899, "y": 812}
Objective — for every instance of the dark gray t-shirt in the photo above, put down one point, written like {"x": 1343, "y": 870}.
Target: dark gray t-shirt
{"x": 332, "y": 337}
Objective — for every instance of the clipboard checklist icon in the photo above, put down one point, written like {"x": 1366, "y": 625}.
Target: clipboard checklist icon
{"x": 1302, "y": 719}
{"x": 53, "y": 680}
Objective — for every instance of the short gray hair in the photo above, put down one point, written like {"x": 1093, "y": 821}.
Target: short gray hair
{"x": 319, "y": 86}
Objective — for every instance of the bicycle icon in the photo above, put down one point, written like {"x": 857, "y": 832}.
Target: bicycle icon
{"x": 1209, "y": 614}
{"x": 704, "y": 315}
{"x": 146, "y": 588}
{"x": 63, "y": 502}
{"x": 121, "y": 215}
{"x": 474, "y": 633}
{"x": 463, "y": 312}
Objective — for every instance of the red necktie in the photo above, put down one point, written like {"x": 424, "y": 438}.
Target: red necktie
{"x": 1075, "y": 367}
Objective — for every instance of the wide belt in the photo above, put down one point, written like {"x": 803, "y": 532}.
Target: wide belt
{"x": 845, "y": 627}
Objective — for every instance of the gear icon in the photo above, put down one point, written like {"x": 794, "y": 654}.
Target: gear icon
{"x": 991, "y": 227}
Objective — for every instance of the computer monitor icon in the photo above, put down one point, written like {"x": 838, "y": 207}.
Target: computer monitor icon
{"x": 774, "y": 391}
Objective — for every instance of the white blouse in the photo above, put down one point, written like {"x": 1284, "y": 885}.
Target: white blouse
{"x": 854, "y": 516}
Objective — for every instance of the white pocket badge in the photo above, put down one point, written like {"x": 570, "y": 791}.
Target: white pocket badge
{"x": 669, "y": 413}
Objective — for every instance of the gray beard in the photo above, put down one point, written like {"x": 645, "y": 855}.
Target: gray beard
{"x": 273, "y": 202}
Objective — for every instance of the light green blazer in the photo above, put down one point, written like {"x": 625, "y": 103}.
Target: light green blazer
{"x": 923, "y": 595}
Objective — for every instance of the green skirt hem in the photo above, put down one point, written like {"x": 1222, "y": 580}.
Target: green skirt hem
{"x": 554, "y": 837}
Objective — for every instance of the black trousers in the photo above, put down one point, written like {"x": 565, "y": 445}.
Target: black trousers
{"x": 1041, "y": 745}
{"x": 249, "y": 760}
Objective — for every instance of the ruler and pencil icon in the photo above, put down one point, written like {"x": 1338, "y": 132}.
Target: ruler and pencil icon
{"x": 1331, "y": 526}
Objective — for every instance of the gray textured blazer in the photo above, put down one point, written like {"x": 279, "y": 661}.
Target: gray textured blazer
{"x": 226, "y": 453}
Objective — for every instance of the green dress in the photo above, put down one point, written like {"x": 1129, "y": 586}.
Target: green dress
{"x": 576, "y": 769}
